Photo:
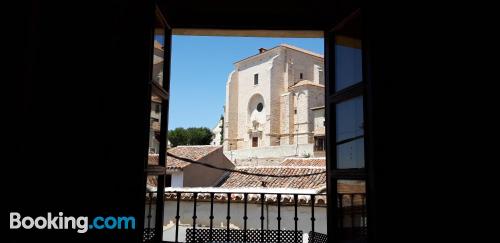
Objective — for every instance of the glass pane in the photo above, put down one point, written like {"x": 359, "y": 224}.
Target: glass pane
{"x": 351, "y": 154}
{"x": 159, "y": 41}
{"x": 351, "y": 202}
{"x": 349, "y": 115}
{"x": 154, "y": 131}
{"x": 347, "y": 65}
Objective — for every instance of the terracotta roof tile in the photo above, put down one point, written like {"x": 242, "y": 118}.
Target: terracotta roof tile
{"x": 307, "y": 82}
{"x": 236, "y": 180}
{"x": 190, "y": 152}
{"x": 321, "y": 162}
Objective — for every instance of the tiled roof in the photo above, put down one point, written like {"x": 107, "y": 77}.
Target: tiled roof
{"x": 236, "y": 180}
{"x": 321, "y": 162}
{"x": 190, "y": 152}
{"x": 307, "y": 82}
{"x": 270, "y": 197}
{"x": 153, "y": 159}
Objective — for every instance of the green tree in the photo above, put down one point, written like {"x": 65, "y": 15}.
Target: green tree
{"x": 190, "y": 136}
{"x": 178, "y": 137}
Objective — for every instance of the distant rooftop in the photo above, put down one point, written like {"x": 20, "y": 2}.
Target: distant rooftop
{"x": 237, "y": 180}
{"x": 307, "y": 82}
{"x": 320, "y": 162}
{"x": 195, "y": 153}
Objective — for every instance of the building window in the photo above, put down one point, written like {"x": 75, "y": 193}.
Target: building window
{"x": 256, "y": 79}
{"x": 260, "y": 106}
{"x": 301, "y": 76}
{"x": 255, "y": 142}
{"x": 319, "y": 143}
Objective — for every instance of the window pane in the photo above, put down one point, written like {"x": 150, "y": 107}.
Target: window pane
{"x": 348, "y": 57}
{"x": 158, "y": 55}
{"x": 347, "y": 62}
{"x": 351, "y": 154}
{"x": 351, "y": 201}
{"x": 349, "y": 115}
{"x": 154, "y": 131}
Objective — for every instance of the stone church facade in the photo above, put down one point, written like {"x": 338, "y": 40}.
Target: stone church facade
{"x": 275, "y": 99}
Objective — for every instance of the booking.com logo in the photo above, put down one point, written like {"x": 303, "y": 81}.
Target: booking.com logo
{"x": 61, "y": 222}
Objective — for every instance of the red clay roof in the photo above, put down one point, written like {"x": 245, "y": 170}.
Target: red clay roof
{"x": 306, "y": 83}
{"x": 321, "y": 162}
{"x": 236, "y": 180}
{"x": 190, "y": 152}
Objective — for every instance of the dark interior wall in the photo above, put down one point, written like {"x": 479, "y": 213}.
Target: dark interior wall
{"x": 79, "y": 128}
{"x": 226, "y": 14}
{"x": 403, "y": 124}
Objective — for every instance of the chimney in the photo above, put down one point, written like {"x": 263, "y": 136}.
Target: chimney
{"x": 262, "y": 50}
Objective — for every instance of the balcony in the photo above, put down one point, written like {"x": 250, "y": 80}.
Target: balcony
{"x": 263, "y": 215}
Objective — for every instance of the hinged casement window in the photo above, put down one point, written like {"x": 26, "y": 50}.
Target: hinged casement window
{"x": 155, "y": 170}
{"x": 345, "y": 119}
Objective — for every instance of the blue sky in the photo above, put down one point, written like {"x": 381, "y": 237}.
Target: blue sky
{"x": 199, "y": 71}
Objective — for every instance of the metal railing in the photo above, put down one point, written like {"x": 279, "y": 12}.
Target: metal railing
{"x": 351, "y": 208}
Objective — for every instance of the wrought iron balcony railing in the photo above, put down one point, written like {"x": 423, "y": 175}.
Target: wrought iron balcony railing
{"x": 252, "y": 216}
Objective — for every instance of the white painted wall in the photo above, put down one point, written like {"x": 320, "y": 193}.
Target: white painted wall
{"x": 177, "y": 179}
{"x": 237, "y": 212}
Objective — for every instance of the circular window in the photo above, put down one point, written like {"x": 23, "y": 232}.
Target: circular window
{"x": 260, "y": 106}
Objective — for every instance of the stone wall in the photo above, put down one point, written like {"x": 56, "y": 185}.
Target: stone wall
{"x": 286, "y": 117}
{"x": 271, "y": 152}
{"x": 231, "y": 112}
{"x": 247, "y": 89}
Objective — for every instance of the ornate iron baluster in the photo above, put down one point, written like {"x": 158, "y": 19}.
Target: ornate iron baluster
{"x": 195, "y": 197}
{"x": 245, "y": 217}
{"x": 363, "y": 213}
{"x": 149, "y": 209}
{"x": 262, "y": 195}
{"x": 279, "y": 216}
{"x": 295, "y": 202}
{"x": 211, "y": 233}
{"x": 228, "y": 217}
{"x": 313, "y": 199}
{"x": 177, "y": 217}
{"x": 341, "y": 211}
{"x": 353, "y": 214}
